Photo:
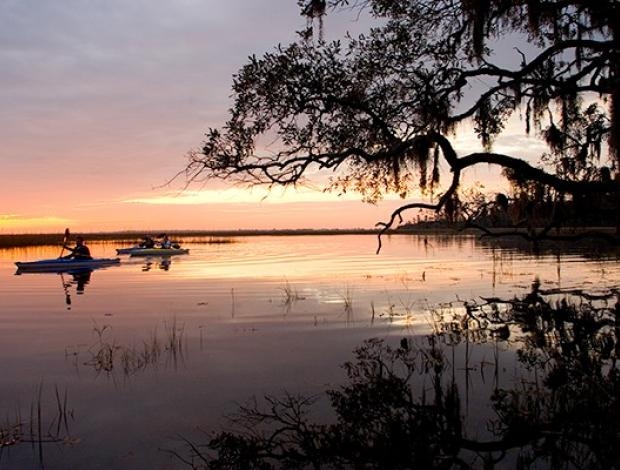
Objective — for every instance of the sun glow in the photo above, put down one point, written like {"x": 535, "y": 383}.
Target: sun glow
{"x": 12, "y": 222}
{"x": 246, "y": 196}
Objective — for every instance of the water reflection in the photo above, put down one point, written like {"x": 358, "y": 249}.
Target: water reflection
{"x": 73, "y": 279}
{"x": 402, "y": 404}
{"x": 268, "y": 314}
{"x": 79, "y": 279}
{"x": 160, "y": 262}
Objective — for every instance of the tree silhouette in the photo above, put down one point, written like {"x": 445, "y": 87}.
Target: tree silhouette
{"x": 378, "y": 112}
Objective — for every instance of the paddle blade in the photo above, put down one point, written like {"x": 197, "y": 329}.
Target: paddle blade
{"x": 64, "y": 241}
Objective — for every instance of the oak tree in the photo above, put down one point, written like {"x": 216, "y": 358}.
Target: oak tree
{"x": 379, "y": 112}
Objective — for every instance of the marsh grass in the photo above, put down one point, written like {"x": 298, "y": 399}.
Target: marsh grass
{"x": 347, "y": 299}
{"x": 404, "y": 309}
{"x": 46, "y": 423}
{"x": 107, "y": 356}
{"x": 347, "y": 303}
{"x": 192, "y": 236}
{"x": 174, "y": 344}
{"x": 290, "y": 296}
{"x": 215, "y": 240}
{"x": 42, "y": 239}
{"x": 233, "y": 303}
{"x": 45, "y": 239}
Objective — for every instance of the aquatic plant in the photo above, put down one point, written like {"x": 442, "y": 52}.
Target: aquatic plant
{"x": 290, "y": 295}
{"x": 106, "y": 355}
{"x": 46, "y": 423}
{"x": 347, "y": 303}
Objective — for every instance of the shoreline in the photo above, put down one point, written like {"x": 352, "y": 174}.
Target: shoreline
{"x": 200, "y": 236}
{"x": 227, "y": 236}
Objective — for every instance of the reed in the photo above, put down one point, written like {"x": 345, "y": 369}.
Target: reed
{"x": 45, "y": 424}
{"x": 193, "y": 236}
{"x": 174, "y": 337}
{"x": 106, "y": 355}
{"x": 43, "y": 239}
{"x": 347, "y": 303}
{"x": 216, "y": 240}
{"x": 290, "y": 294}
{"x": 233, "y": 302}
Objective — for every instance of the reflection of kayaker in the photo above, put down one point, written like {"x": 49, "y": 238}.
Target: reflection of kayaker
{"x": 79, "y": 278}
{"x": 163, "y": 264}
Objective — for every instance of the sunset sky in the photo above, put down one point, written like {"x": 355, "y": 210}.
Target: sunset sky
{"x": 101, "y": 100}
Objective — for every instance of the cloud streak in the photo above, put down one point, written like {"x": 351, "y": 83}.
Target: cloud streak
{"x": 246, "y": 196}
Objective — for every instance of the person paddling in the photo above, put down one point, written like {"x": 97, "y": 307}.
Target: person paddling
{"x": 166, "y": 242}
{"x": 80, "y": 251}
{"x": 147, "y": 242}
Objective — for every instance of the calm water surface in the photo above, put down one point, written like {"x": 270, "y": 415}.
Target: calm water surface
{"x": 153, "y": 349}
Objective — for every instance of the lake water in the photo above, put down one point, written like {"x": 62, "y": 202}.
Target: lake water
{"x": 115, "y": 369}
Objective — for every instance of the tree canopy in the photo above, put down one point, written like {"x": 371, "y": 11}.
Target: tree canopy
{"x": 378, "y": 112}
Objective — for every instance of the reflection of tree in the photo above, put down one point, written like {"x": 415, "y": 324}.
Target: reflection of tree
{"x": 563, "y": 412}
{"x": 574, "y": 411}
{"x": 379, "y": 423}
{"x": 569, "y": 415}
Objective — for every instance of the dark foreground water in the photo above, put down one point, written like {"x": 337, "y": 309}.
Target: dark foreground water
{"x": 119, "y": 367}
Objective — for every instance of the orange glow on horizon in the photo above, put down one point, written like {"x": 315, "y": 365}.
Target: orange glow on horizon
{"x": 257, "y": 216}
{"x": 230, "y": 208}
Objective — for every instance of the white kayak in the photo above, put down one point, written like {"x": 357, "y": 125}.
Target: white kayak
{"x": 138, "y": 251}
{"x": 64, "y": 264}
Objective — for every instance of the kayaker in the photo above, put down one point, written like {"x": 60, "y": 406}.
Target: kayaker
{"x": 166, "y": 243}
{"x": 80, "y": 251}
{"x": 147, "y": 242}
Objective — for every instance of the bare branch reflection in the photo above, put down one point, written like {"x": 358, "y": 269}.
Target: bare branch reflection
{"x": 403, "y": 406}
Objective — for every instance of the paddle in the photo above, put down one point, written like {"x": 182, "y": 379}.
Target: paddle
{"x": 64, "y": 242}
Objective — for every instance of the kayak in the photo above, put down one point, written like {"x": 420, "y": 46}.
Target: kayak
{"x": 137, "y": 251}
{"x": 56, "y": 265}
{"x": 127, "y": 251}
